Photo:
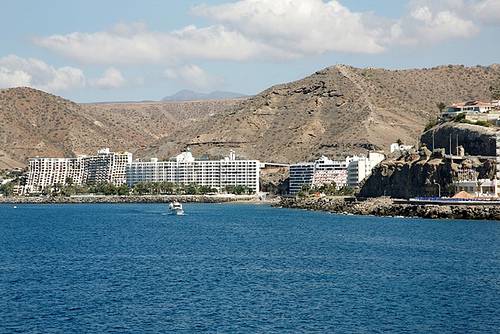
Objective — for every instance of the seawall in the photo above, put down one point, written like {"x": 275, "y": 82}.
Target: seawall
{"x": 125, "y": 199}
{"x": 387, "y": 207}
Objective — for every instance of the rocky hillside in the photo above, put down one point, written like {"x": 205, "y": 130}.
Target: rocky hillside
{"x": 418, "y": 174}
{"x": 34, "y": 123}
{"x": 141, "y": 124}
{"x": 476, "y": 140}
{"x": 337, "y": 111}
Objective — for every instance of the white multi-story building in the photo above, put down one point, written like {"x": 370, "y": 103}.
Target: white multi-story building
{"x": 317, "y": 173}
{"x": 185, "y": 169}
{"x": 349, "y": 172}
{"x": 361, "y": 167}
{"x": 48, "y": 172}
{"x": 106, "y": 166}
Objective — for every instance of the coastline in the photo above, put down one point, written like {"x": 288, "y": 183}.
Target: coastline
{"x": 386, "y": 207}
{"x": 131, "y": 199}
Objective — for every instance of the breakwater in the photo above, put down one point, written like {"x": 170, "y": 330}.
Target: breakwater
{"x": 125, "y": 199}
{"x": 387, "y": 207}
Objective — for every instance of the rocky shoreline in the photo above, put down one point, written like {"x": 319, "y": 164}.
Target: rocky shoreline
{"x": 125, "y": 199}
{"x": 388, "y": 208}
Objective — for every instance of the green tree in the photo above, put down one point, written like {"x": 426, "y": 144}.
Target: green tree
{"x": 191, "y": 189}
{"x": 123, "y": 190}
{"x": 69, "y": 181}
{"x": 7, "y": 189}
{"x": 430, "y": 124}
{"x": 238, "y": 190}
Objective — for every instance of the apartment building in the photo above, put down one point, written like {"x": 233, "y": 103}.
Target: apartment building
{"x": 106, "y": 166}
{"x": 185, "y": 169}
{"x": 317, "y": 173}
{"x": 349, "y": 172}
{"x": 360, "y": 167}
{"x": 301, "y": 174}
{"x": 47, "y": 172}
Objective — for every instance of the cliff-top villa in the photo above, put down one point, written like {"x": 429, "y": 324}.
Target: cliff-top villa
{"x": 486, "y": 110}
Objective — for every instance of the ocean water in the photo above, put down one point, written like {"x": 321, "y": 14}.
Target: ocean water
{"x": 236, "y": 268}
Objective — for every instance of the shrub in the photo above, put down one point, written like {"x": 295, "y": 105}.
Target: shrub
{"x": 430, "y": 124}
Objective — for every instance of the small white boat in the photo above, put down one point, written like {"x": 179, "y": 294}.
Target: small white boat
{"x": 176, "y": 209}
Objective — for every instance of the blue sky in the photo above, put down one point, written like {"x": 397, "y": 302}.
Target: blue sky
{"x": 139, "y": 50}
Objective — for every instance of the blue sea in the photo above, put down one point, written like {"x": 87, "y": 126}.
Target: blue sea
{"x": 237, "y": 268}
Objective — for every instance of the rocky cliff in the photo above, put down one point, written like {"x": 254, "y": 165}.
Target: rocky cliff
{"x": 418, "y": 174}
{"x": 476, "y": 140}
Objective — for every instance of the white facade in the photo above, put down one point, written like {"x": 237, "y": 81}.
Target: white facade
{"x": 471, "y": 107}
{"x": 48, "y": 172}
{"x": 361, "y": 167}
{"x": 106, "y": 166}
{"x": 186, "y": 170}
{"x": 349, "y": 172}
{"x": 317, "y": 173}
{"x": 395, "y": 147}
{"x": 479, "y": 188}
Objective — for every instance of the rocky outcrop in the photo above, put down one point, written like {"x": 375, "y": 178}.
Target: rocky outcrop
{"x": 388, "y": 208}
{"x": 424, "y": 173}
{"x": 476, "y": 140}
{"x": 419, "y": 175}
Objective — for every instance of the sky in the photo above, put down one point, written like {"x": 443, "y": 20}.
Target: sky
{"x": 130, "y": 50}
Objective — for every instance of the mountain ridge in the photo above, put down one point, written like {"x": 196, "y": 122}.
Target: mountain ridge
{"x": 338, "y": 111}
{"x": 36, "y": 123}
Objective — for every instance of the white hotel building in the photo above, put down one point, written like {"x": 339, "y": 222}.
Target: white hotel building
{"x": 349, "y": 172}
{"x": 45, "y": 173}
{"x": 185, "y": 169}
{"x": 106, "y": 166}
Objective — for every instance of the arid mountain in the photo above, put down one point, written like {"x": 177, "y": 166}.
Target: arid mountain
{"x": 337, "y": 111}
{"x": 34, "y": 123}
{"x": 138, "y": 125}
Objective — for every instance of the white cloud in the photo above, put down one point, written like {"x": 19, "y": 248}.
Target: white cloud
{"x": 425, "y": 24}
{"x": 127, "y": 45}
{"x": 111, "y": 78}
{"x": 244, "y": 30}
{"x": 277, "y": 30}
{"x": 300, "y": 26}
{"x": 16, "y": 71}
{"x": 487, "y": 11}
{"x": 193, "y": 76}
{"x": 13, "y": 78}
